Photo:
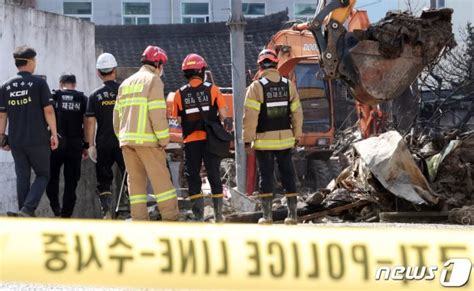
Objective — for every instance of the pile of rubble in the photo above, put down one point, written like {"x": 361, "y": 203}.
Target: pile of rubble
{"x": 395, "y": 179}
{"x": 407, "y": 179}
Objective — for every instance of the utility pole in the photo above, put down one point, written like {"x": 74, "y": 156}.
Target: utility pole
{"x": 236, "y": 25}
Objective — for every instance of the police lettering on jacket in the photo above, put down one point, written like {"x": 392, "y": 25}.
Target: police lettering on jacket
{"x": 192, "y": 118}
{"x": 275, "y": 110}
{"x": 101, "y": 106}
{"x": 106, "y": 98}
{"x": 23, "y": 97}
{"x": 19, "y": 93}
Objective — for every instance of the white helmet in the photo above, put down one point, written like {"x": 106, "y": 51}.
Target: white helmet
{"x": 106, "y": 62}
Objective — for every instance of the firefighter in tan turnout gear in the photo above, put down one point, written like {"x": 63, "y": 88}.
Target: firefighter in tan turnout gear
{"x": 273, "y": 120}
{"x": 141, "y": 126}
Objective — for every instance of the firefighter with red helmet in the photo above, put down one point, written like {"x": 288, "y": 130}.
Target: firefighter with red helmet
{"x": 141, "y": 126}
{"x": 193, "y": 103}
{"x": 273, "y": 120}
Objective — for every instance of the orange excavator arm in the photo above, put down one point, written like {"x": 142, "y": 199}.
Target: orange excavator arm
{"x": 371, "y": 74}
{"x": 370, "y": 117}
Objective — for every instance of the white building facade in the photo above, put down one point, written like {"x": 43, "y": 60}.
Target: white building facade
{"x": 116, "y": 12}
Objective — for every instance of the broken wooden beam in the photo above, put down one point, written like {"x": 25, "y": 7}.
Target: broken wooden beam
{"x": 332, "y": 211}
{"x": 304, "y": 214}
{"x": 415, "y": 217}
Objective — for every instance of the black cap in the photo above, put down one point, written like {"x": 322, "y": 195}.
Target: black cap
{"x": 67, "y": 78}
{"x": 24, "y": 52}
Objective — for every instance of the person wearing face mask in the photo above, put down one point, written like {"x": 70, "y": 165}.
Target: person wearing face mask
{"x": 141, "y": 126}
{"x": 26, "y": 106}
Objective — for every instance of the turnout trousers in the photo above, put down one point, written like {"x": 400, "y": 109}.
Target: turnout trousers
{"x": 143, "y": 162}
{"x": 195, "y": 155}
{"x": 266, "y": 168}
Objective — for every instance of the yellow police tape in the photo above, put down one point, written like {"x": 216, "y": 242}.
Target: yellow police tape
{"x": 192, "y": 255}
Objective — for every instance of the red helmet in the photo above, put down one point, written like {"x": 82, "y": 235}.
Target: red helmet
{"x": 155, "y": 54}
{"x": 193, "y": 62}
{"x": 267, "y": 54}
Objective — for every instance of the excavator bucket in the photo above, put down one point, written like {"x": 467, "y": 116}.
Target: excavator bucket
{"x": 381, "y": 79}
{"x": 390, "y": 54}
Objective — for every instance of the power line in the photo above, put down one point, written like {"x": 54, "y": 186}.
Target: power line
{"x": 370, "y": 4}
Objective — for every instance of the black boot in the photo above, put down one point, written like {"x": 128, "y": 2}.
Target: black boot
{"x": 267, "y": 211}
{"x": 123, "y": 209}
{"x": 20, "y": 213}
{"x": 292, "y": 211}
{"x": 56, "y": 211}
{"x": 106, "y": 204}
{"x": 197, "y": 206}
{"x": 218, "y": 207}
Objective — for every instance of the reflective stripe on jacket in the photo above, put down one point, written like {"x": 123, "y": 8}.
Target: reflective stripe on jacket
{"x": 140, "y": 110}
{"x": 276, "y": 139}
{"x": 191, "y": 116}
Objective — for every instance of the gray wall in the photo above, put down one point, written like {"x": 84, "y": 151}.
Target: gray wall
{"x": 63, "y": 44}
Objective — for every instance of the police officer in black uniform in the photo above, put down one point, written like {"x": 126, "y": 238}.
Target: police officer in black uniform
{"x": 25, "y": 102}
{"x": 104, "y": 149}
{"x": 70, "y": 107}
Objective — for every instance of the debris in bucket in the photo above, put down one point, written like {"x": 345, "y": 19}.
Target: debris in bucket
{"x": 428, "y": 33}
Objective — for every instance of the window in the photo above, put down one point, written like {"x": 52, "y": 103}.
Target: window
{"x": 438, "y": 3}
{"x": 82, "y": 10}
{"x": 312, "y": 91}
{"x": 136, "y": 13}
{"x": 306, "y": 76}
{"x": 195, "y": 12}
{"x": 253, "y": 9}
{"x": 304, "y": 11}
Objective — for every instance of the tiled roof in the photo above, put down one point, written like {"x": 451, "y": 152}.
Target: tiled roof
{"x": 211, "y": 40}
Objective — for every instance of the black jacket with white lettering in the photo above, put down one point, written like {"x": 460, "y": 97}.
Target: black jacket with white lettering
{"x": 191, "y": 115}
{"x": 101, "y": 106}
{"x": 70, "y": 107}
{"x": 23, "y": 98}
{"x": 275, "y": 111}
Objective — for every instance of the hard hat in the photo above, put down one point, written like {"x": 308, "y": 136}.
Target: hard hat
{"x": 267, "y": 54}
{"x": 155, "y": 54}
{"x": 193, "y": 62}
{"x": 106, "y": 62}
